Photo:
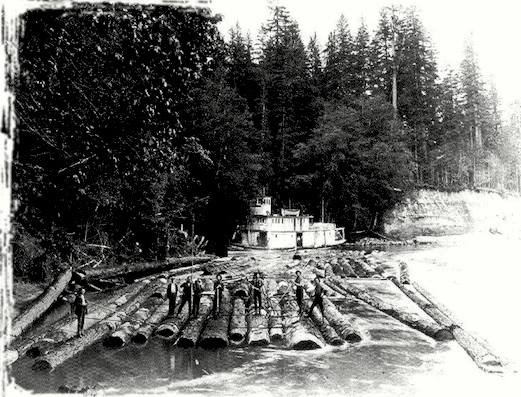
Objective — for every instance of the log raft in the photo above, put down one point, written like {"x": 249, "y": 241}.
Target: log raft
{"x": 36, "y": 344}
{"x": 42, "y": 303}
{"x": 49, "y": 361}
{"x": 238, "y": 327}
{"x": 124, "y": 332}
{"x": 426, "y": 326}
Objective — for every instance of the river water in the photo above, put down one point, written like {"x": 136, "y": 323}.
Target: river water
{"x": 476, "y": 277}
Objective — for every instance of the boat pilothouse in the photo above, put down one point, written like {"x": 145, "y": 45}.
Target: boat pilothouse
{"x": 289, "y": 229}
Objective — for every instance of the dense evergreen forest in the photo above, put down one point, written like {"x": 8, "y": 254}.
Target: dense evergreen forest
{"x": 133, "y": 121}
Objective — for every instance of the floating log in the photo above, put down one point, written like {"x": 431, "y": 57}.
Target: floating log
{"x": 424, "y": 325}
{"x": 404, "y": 273}
{"x": 38, "y": 342}
{"x": 71, "y": 347}
{"x": 141, "y": 336}
{"x": 124, "y": 332}
{"x": 130, "y": 270}
{"x": 368, "y": 269}
{"x": 190, "y": 333}
{"x": 215, "y": 333}
{"x": 275, "y": 321}
{"x": 238, "y": 327}
{"x": 41, "y": 304}
{"x": 258, "y": 331}
{"x": 340, "y": 323}
{"x": 329, "y": 334}
{"x": 478, "y": 351}
{"x": 300, "y": 334}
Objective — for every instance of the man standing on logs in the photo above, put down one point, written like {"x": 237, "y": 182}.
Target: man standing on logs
{"x": 80, "y": 309}
{"x": 218, "y": 287}
{"x": 319, "y": 292}
{"x": 198, "y": 290}
{"x": 171, "y": 294}
{"x": 299, "y": 291}
{"x": 257, "y": 296}
{"x": 186, "y": 287}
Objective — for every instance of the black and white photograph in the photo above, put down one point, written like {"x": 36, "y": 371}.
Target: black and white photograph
{"x": 260, "y": 198}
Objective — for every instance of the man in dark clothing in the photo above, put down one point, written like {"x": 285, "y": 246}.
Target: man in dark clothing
{"x": 218, "y": 288}
{"x": 80, "y": 309}
{"x": 299, "y": 291}
{"x": 198, "y": 290}
{"x": 257, "y": 295}
{"x": 319, "y": 292}
{"x": 186, "y": 288}
{"x": 171, "y": 294}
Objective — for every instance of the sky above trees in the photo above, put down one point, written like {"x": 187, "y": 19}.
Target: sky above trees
{"x": 492, "y": 25}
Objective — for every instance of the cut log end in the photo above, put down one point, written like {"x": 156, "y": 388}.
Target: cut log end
{"x": 236, "y": 337}
{"x": 139, "y": 339}
{"x": 214, "y": 343}
{"x": 260, "y": 342}
{"x": 306, "y": 345}
{"x": 114, "y": 342}
{"x": 443, "y": 335}
{"x": 42, "y": 365}
{"x": 34, "y": 352}
{"x": 353, "y": 337}
{"x": 166, "y": 333}
{"x": 185, "y": 342}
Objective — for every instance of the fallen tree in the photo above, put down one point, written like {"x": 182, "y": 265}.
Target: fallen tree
{"x": 238, "y": 327}
{"x": 37, "y": 342}
{"x": 140, "y": 269}
{"x": 215, "y": 333}
{"x": 424, "y": 325}
{"x": 189, "y": 335}
{"x": 71, "y": 347}
{"x": 124, "y": 332}
{"x": 41, "y": 304}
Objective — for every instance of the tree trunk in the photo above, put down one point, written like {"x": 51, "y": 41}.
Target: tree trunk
{"x": 189, "y": 335}
{"x": 429, "y": 328}
{"x": 481, "y": 354}
{"x": 329, "y": 334}
{"x": 124, "y": 332}
{"x": 300, "y": 334}
{"x": 275, "y": 321}
{"x": 258, "y": 331}
{"x": 340, "y": 323}
{"x": 135, "y": 270}
{"x": 69, "y": 348}
{"x": 42, "y": 303}
{"x": 141, "y": 336}
{"x": 238, "y": 327}
{"x": 37, "y": 342}
{"x": 215, "y": 333}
